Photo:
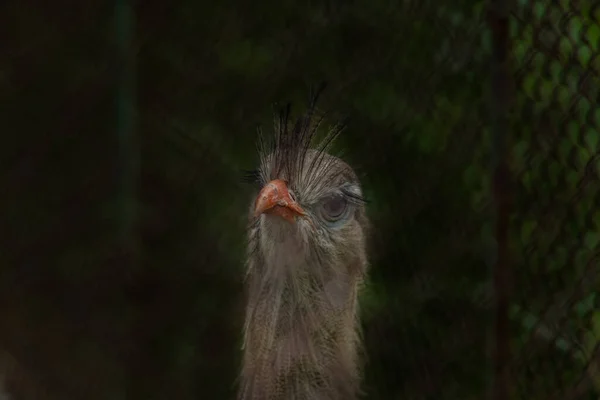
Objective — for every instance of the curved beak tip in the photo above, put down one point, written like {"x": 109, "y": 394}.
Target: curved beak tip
{"x": 275, "y": 199}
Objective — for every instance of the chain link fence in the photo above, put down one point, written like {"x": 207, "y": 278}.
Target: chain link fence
{"x": 556, "y": 166}
{"x": 425, "y": 102}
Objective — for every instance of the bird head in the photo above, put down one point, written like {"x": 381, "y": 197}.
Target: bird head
{"x": 310, "y": 205}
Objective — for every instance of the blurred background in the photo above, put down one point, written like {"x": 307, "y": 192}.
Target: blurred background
{"x": 125, "y": 131}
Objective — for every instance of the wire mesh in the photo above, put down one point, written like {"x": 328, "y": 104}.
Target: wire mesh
{"x": 415, "y": 77}
{"x": 556, "y": 164}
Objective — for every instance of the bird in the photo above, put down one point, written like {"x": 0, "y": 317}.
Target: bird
{"x": 306, "y": 264}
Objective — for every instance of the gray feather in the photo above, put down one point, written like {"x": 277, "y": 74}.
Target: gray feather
{"x": 301, "y": 333}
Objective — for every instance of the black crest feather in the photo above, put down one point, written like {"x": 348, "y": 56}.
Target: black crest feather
{"x": 285, "y": 153}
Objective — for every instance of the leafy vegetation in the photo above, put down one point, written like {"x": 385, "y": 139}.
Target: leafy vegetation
{"x": 92, "y": 314}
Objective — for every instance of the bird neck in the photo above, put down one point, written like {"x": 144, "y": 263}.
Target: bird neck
{"x": 301, "y": 332}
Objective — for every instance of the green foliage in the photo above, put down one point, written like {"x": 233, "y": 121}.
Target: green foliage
{"x": 414, "y": 76}
{"x": 555, "y": 140}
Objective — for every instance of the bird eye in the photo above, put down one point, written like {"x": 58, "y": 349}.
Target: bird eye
{"x": 334, "y": 207}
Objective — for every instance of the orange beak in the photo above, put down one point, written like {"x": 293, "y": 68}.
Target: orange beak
{"x": 275, "y": 199}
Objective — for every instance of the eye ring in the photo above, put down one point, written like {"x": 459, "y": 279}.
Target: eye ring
{"x": 334, "y": 207}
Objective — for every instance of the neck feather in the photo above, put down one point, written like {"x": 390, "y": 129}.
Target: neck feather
{"x": 301, "y": 331}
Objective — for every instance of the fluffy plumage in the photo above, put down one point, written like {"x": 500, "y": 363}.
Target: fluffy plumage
{"x": 301, "y": 331}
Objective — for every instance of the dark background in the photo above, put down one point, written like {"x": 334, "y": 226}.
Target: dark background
{"x": 125, "y": 130}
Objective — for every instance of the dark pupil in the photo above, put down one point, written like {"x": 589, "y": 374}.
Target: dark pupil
{"x": 334, "y": 206}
